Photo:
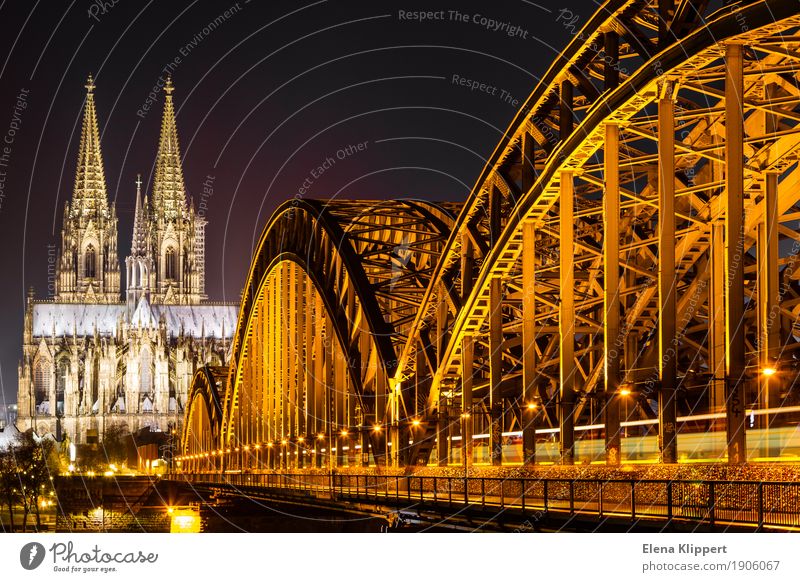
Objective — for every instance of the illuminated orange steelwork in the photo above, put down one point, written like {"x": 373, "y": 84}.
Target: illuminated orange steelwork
{"x": 630, "y": 216}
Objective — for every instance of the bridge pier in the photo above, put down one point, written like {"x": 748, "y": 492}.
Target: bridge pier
{"x": 734, "y": 253}
{"x": 769, "y": 310}
{"x": 613, "y": 342}
{"x": 566, "y": 321}
{"x": 529, "y": 404}
{"x": 667, "y": 282}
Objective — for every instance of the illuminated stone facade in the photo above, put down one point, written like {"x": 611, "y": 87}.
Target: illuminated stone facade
{"x": 91, "y": 359}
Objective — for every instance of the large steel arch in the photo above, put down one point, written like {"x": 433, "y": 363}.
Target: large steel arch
{"x": 200, "y": 442}
{"x": 327, "y": 302}
{"x": 526, "y": 337}
{"x": 626, "y": 262}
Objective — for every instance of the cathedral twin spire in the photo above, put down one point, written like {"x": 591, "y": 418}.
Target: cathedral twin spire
{"x": 167, "y": 237}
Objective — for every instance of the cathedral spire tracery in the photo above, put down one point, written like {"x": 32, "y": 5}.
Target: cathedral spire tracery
{"x": 87, "y": 266}
{"x": 177, "y": 234}
{"x": 90, "y": 183}
{"x": 169, "y": 190}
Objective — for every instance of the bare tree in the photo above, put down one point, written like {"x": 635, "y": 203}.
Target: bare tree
{"x": 9, "y": 483}
{"x": 38, "y": 463}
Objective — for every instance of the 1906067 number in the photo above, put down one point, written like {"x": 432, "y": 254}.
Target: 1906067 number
{"x": 769, "y": 565}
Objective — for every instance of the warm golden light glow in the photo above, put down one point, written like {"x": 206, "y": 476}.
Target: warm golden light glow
{"x": 320, "y": 437}
{"x": 769, "y": 371}
{"x": 377, "y": 428}
{"x": 416, "y": 422}
{"x": 344, "y": 432}
{"x": 300, "y": 439}
{"x": 532, "y": 406}
{"x": 624, "y": 392}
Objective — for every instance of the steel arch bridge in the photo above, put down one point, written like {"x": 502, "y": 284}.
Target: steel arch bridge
{"x": 623, "y": 271}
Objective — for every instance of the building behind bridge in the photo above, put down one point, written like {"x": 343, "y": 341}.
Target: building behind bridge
{"x": 93, "y": 358}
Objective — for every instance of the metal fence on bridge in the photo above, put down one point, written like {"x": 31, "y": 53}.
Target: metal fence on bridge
{"x": 760, "y": 505}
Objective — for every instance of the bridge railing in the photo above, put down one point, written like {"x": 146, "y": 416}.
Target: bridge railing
{"x": 714, "y": 503}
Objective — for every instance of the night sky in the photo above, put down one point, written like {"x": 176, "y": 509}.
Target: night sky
{"x": 265, "y": 92}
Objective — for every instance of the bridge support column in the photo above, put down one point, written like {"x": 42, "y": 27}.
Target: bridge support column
{"x": 467, "y": 355}
{"x": 734, "y": 253}
{"x": 495, "y": 371}
{"x": 667, "y": 338}
{"x": 403, "y": 436}
{"x": 352, "y": 440}
{"x": 529, "y": 404}
{"x": 716, "y": 319}
{"x": 285, "y": 295}
{"x": 566, "y": 320}
{"x": 365, "y": 446}
{"x": 300, "y": 369}
{"x": 442, "y": 430}
{"x": 613, "y": 342}
{"x": 301, "y": 451}
{"x": 769, "y": 308}
{"x": 338, "y": 391}
{"x": 467, "y": 362}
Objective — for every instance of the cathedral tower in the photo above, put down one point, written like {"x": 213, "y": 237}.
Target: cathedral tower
{"x": 176, "y": 232}
{"x": 140, "y": 268}
{"x": 87, "y": 265}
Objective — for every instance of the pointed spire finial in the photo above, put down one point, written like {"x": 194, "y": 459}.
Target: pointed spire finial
{"x": 89, "y": 194}
{"x": 139, "y": 244}
{"x": 169, "y": 190}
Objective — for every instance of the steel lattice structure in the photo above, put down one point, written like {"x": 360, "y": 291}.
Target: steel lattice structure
{"x": 631, "y": 245}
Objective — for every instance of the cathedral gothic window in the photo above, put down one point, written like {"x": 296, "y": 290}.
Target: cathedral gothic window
{"x": 42, "y": 374}
{"x": 146, "y": 371}
{"x": 90, "y": 262}
{"x": 61, "y": 385}
{"x": 170, "y": 264}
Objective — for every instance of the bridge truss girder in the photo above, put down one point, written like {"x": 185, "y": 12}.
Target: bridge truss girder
{"x": 628, "y": 241}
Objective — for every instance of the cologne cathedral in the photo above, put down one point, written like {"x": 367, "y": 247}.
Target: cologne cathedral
{"x": 93, "y": 358}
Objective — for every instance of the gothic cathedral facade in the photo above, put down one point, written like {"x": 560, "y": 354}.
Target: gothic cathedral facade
{"x": 92, "y": 358}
